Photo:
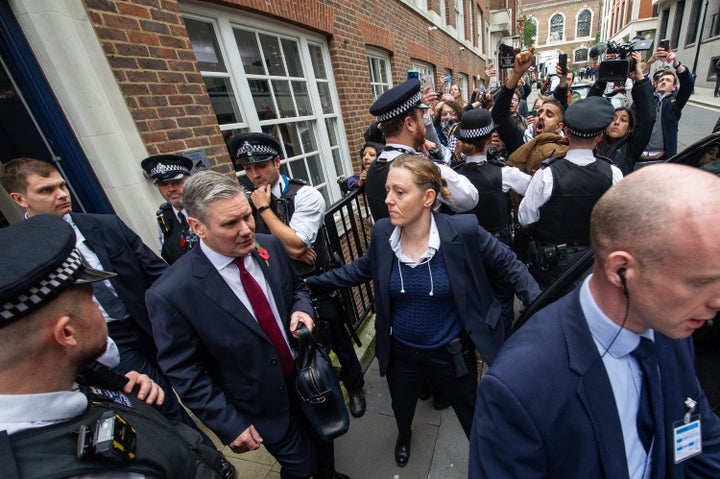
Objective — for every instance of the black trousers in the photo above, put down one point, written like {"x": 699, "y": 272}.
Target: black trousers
{"x": 545, "y": 275}
{"x": 351, "y": 372}
{"x": 410, "y": 368}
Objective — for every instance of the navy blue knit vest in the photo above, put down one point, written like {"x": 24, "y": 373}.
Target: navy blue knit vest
{"x": 419, "y": 319}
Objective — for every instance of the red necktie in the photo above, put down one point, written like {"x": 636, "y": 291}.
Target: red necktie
{"x": 265, "y": 317}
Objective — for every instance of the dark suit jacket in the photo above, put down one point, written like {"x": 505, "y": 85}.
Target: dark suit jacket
{"x": 217, "y": 356}
{"x": 470, "y": 254}
{"x": 546, "y": 407}
{"x": 121, "y": 250}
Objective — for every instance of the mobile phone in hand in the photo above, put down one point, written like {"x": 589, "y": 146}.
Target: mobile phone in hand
{"x": 532, "y": 113}
{"x": 665, "y": 44}
{"x": 562, "y": 60}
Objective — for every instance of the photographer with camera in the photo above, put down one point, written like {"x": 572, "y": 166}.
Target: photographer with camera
{"x": 672, "y": 91}
{"x": 627, "y": 136}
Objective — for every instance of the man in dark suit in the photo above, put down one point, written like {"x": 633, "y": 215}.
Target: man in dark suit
{"x": 223, "y": 318}
{"x": 601, "y": 384}
{"x": 106, "y": 243}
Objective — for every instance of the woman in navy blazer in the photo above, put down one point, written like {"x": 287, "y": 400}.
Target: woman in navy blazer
{"x": 432, "y": 277}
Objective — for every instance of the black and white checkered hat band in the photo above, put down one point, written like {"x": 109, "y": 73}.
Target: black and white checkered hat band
{"x": 407, "y": 105}
{"x": 261, "y": 150}
{"x": 476, "y": 132}
{"x": 585, "y": 134}
{"x": 47, "y": 289}
{"x": 163, "y": 169}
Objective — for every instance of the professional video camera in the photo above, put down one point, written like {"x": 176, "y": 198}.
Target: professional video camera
{"x": 618, "y": 69}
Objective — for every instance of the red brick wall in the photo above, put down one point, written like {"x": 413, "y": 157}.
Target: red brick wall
{"x": 151, "y": 57}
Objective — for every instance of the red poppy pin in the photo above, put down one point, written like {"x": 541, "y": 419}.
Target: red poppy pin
{"x": 263, "y": 253}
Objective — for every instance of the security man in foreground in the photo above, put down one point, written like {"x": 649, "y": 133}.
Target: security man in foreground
{"x": 169, "y": 173}
{"x": 294, "y": 211}
{"x": 50, "y": 327}
{"x": 557, "y": 204}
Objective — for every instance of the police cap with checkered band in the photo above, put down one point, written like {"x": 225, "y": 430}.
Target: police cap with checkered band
{"x": 398, "y": 100}
{"x": 589, "y": 117}
{"x": 254, "y": 147}
{"x": 167, "y": 167}
{"x": 39, "y": 261}
{"x": 476, "y": 123}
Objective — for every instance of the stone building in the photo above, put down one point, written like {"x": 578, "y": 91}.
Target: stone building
{"x": 97, "y": 85}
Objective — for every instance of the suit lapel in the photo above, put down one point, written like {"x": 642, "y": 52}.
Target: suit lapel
{"x": 95, "y": 242}
{"x": 595, "y": 392}
{"x": 386, "y": 262}
{"x": 453, "y": 254}
{"x": 211, "y": 284}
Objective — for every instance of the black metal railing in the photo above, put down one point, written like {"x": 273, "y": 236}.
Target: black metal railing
{"x": 348, "y": 235}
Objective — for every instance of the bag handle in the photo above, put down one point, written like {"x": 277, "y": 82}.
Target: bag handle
{"x": 307, "y": 345}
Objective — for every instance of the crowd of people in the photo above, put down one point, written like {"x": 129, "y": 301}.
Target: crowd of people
{"x": 473, "y": 205}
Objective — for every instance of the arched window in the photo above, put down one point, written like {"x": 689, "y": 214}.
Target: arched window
{"x": 557, "y": 28}
{"x": 581, "y": 55}
{"x": 584, "y": 23}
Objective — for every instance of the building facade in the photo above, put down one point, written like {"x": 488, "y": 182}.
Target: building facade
{"x": 567, "y": 26}
{"x": 97, "y": 85}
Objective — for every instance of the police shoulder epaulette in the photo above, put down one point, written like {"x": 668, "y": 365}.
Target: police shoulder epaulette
{"x": 297, "y": 181}
{"x": 604, "y": 158}
{"x": 551, "y": 160}
{"x": 496, "y": 162}
{"x": 109, "y": 395}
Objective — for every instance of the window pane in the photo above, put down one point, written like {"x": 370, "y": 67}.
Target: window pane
{"x": 307, "y": 133}
{"x": 557, "y": 25}
{"x": 292, "y": 57}
{"x": 325, "y": 99}
{"x": 324, "y": 192}
{"x": 302, "y": 98}
{"x": 205, "y": 47}
{"x": 330, "y": 125}
{"x": 315, "y": 170}
{"x": 223, "y": 101}
{"x": 298, "y": 170}
{"x": 273, "y": 55}
{"x": 249, "y": 52}
{"x": 281, "y": 89}
{"x": 317, "y": 61}
{"x": 584, "y": 23}
{"x": 337, "y": 162}
{"x": 260, "y": 90}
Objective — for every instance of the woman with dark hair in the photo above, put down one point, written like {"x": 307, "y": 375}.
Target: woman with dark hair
{"x": 435, "y": 304}
{"x": 629, "y": 133}
{"x": 368, "y": 154}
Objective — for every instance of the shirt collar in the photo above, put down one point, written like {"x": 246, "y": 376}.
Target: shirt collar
{"x": 606, "y": 333}
{"x": 21, "y": 411}
{"x": 480, "y": 159}
{"x": 433, "y": 244}
{"x": 219, "y": 261}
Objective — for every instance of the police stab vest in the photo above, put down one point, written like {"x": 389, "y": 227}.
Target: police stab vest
{"x": 284, "y": 207}
{"x": 565, "y": 218}
{"x": 376, "y": 178}
{"x": 178, "y": 239}
{"x": 493, "y": 209}
{"x": 162, "y": 448}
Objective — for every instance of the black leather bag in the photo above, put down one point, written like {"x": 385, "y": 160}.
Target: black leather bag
{"x": 317, "y": 385}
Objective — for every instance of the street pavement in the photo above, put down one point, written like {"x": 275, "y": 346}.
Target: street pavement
{"x": 439, "y": 446}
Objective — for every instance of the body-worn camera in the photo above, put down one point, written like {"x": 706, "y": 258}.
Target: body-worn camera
{"x": 111, "y": 438}
{"x": 618, "y": 69}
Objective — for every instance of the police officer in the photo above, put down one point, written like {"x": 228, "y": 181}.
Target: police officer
{"x": 557, "y": 204}
{"x": 169, "y": 173}
{"x": 293, "y": 211}
{"x": 493, "y": 181}
{"x": 49, "y": 328}
{"x": 400, "y": 114}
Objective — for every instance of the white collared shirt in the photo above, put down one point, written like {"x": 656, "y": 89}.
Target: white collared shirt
{"x": 433, "y": 245}
{"x": 624, "y": 373}
{"x": 308, "y": 211}
{"x": 19, "y": 412}
{"x": 230, "y": 273}
{"x": 512, "y": 178}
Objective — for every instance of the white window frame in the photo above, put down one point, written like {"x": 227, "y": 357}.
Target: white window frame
{"x": 224, "y": 21}
{"x": 577, "y": 20}
{"x": 462, "y": 83}
{"x": 375, "y": 55}
{"x": 443, "y": 12}
{"x": 564, "y": 37}
{"x": 460, "y": 19}
{"x": 480, "y": 28}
